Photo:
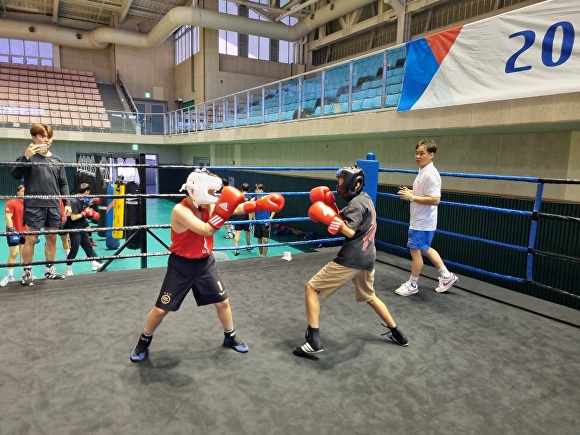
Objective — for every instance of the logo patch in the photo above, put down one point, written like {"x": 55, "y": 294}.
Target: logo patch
{"x": 165, "y": 299}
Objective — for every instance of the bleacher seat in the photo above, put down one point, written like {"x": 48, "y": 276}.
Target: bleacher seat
{"x": 392, "y": 100}
{"x": 371, "y": 103}
{"x": 288, "y": 115}
{"x": 26, "y": 84}
{"x": 394, "y": 89}
{"x": 356, "y": 105}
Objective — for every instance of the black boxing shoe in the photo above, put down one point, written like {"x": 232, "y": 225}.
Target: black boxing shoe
{"x": 313, "y": 344}
{"x": 396, "y": 335}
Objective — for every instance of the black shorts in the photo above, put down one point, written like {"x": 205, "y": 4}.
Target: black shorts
{"x": 242, "y": 227}
{"x": 42, "y": 217}
{"x": 185, "y": 274}
{"x": 262, "y": 231}
{"x": 62, "y": 228}
{"x": 20, "y": 242}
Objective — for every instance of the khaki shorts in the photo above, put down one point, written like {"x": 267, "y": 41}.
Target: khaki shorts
{"x": 333, "y": 276}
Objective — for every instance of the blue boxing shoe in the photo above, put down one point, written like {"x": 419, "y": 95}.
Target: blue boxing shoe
{"x": 232, "y": 341}
{"x": 141, "y": 350}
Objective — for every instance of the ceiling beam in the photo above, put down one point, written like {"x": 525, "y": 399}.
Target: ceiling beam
{"x": 124, "y": 9}
{"x": 55, "y": 5}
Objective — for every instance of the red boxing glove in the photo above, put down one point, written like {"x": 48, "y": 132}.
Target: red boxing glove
{"x": 96, "y": 216}
{"x": 88, "y": 212}
{"x": 225, "y": 206}
{"x": 96, "y": 200}
{"x": 323, "y": 193}
{"x": 273, "y": 202}
{"x": 320, "y": 212}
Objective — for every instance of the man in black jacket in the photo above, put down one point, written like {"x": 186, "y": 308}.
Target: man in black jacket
{"x": 42, "y": 179}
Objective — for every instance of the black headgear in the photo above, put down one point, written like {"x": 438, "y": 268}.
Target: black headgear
{"x": 351, "y": 175}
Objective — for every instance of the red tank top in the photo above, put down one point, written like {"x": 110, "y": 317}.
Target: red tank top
{"x": 190, "y": 244}
{"x": 15, "y": 207}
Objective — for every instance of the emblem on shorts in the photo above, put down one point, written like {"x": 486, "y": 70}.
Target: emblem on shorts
{"x": 165, "y": 299}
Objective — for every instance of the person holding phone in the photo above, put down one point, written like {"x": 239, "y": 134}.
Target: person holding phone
{"x": 41, "y": 179}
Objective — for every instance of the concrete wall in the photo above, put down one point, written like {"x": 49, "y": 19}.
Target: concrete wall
{"x": 100, "y": 62}
{"x": 148, "y": 70}
{"x": 549, "y": 154}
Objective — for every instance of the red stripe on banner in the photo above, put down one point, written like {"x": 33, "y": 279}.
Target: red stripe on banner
{"x": 440, "y": 43}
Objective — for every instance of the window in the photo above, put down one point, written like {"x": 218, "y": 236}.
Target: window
{"x": 252, "y": 46}
{"x": 186, "y": 43}
{"x": 26, "y": 52}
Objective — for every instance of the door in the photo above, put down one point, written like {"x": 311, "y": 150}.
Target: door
{"x": 151, "y": 174}
{"x": 151, "y": 116}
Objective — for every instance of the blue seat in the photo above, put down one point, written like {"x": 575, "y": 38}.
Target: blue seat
{"x": 288, "y": 115}
{"x": 372, "y": 103}
{"x": 356, "y": 105}
{"x": 392, "y": 100}
{"x": 316, "y": 113}
{"x": 309, "y": 104}
{"x": 329, "y": 109}
{"x": 394, "y": 89}
{"x": 360, "y": 95}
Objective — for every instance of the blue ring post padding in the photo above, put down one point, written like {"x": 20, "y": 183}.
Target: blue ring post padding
{"x": 533, "y": 232}
{"x": 111, "y": 242}
{"x": 370, "y": 166}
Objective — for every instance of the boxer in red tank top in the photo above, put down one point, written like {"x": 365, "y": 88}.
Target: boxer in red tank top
{"x": 191, "y": 265}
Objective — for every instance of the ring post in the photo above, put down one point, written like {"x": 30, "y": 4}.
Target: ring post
{"x": 370, "y": 166}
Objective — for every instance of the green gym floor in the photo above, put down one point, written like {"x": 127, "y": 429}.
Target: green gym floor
{"x": 158, "y": 213}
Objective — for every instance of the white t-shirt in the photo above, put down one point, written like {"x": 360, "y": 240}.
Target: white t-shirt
{"x": 427, "y": 183}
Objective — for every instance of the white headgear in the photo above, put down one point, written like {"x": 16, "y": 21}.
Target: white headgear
{"x": 198, "y": 185}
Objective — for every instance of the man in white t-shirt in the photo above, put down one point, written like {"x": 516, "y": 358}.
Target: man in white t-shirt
{"x": 424, "y": 199}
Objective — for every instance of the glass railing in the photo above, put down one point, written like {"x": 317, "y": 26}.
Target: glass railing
{"x": 368, "y": 82}
{"x": 365, "y": 83}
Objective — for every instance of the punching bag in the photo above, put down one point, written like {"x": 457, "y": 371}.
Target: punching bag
{"x": 111, "y": 243}
{"x": 132, "y": 216}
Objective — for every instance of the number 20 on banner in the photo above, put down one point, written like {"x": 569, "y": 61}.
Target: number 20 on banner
{"x": 547, "y": 51}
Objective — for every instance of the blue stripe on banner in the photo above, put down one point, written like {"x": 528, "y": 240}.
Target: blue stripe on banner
{"x": 420, "y": 67}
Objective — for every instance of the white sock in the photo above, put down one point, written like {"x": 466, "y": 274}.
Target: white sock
{"x": 10, "y": 271}
{"x": 413, "y": 280}
{"x": 444, "y": 273}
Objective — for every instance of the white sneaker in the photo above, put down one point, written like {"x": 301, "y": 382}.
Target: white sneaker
{"x": 69, "y": 271}
{"x": 446, "y": 283}
{"x": 96, "y": 265}
{"x": 407, "y": 289}
{"x": 6, "y": 280}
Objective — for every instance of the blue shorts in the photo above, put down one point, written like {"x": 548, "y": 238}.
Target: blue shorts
{"x": 420, "y": 239}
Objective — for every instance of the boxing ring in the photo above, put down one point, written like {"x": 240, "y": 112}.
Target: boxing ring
{"x": 481, "y": 359}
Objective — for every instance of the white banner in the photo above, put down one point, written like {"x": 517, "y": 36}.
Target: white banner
{"x": 528, "y": 52}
